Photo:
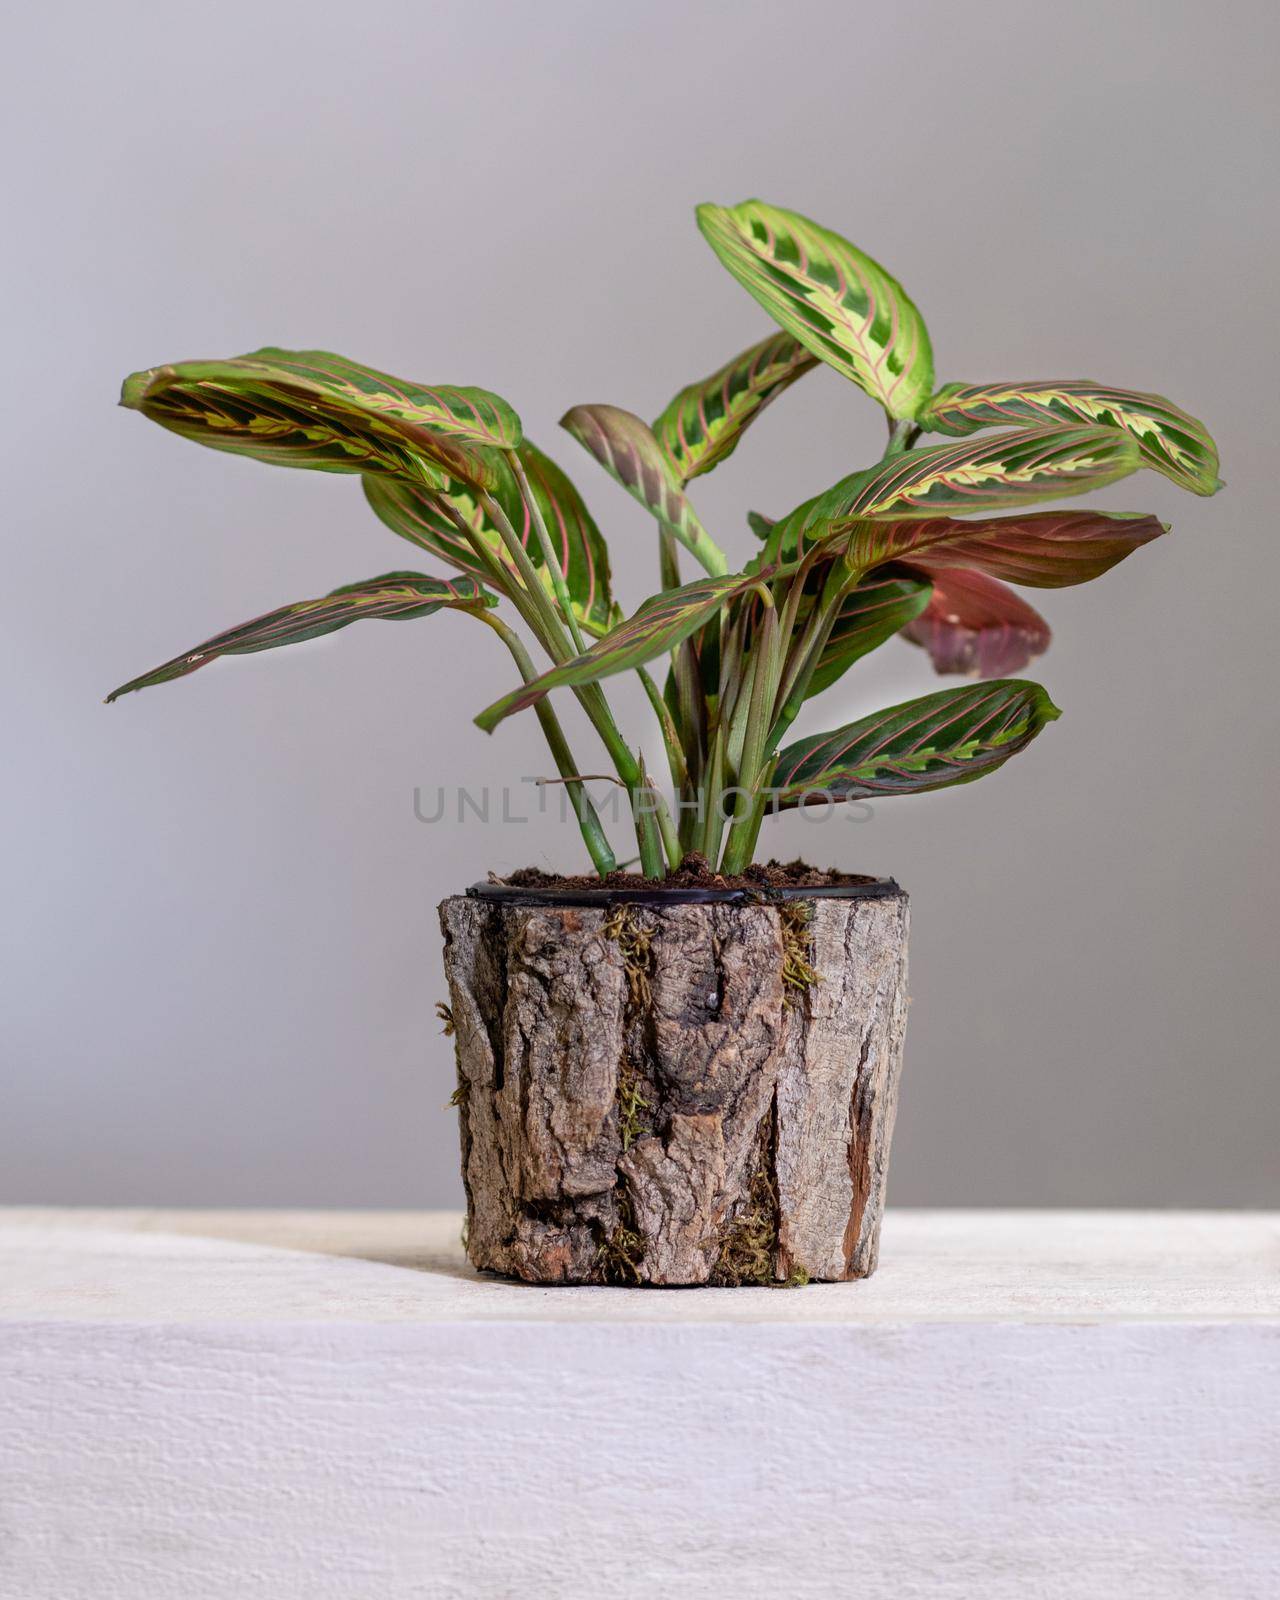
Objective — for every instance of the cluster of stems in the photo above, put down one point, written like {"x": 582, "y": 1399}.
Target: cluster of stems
{"x": 735, "y": 689}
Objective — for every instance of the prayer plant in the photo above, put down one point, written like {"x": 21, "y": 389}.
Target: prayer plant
{"x": 911, "y": 545}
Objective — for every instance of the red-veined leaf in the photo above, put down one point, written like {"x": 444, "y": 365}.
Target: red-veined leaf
{"x": 393, "y": 596}
{"x": 1170, "y": 440}
{"x": 418, "y": 515}
{"x": 1043, "y": 549}
{"x": 978, "y": 627}
{"x": 828, "y": 294}
{"x": 969, "y": 476}
{"x": 992, "y": 474}
{"x": 660, "y": 624}
{"x": 703, "y": 424}
{"x": 309, "y": 408}
{"x": 950, "y": 737}
{"x": 626, "y": 448}
{"x": 881, "y": 605}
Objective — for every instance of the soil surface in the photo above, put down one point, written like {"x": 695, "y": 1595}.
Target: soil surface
{"x": 693, "y": 873}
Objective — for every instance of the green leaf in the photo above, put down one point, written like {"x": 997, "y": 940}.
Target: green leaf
{"x": 836, "y": 301}
{"x": 940, "y": 739}
{"x": 660, "y": 624}
{"x": 704, "y": 422}
{"x": 418, "y": 515}
{"x": 394, "y": 596}
{"x": 881, "y": 605}
{"x": 972, "y": 475}
{"x": 626, "y": 448}
{"x": 976, "y": 626}
{"x": 1169, "y": 439}
{"x": 308, "y": 408}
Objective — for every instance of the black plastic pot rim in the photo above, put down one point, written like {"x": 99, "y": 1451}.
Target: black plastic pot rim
{"x": 658, "y": 895}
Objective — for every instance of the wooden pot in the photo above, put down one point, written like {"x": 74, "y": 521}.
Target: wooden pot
{"x": 676, "y": 1086}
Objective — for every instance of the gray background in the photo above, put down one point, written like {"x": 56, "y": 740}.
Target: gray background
{"x": 220, "y": 943}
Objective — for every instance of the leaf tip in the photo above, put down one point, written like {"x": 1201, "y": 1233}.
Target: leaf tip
{"x": 710, "y": 218}
{"x": 133, "y": 390}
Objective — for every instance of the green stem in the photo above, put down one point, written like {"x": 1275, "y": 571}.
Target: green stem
{"x": 670, "y": 734}
{"x": 778, "y": 678}
{"x": 589, "y": 824}
{"x": 660, "y": 833}
{"x": 710, "y": 793}
{"x": 544, "y": 621}
{"x": 488, "y": 562}
{"x": 550, "y": 560}
{"x": 668, "y": 558}
{"x": 803, "y": 659}
{"x": 552, "y": 634}
{"x": 900, "y": 429}
{"x": 813, "y": 642}
{"x": 744, "y": 700}
{"x": 701, "y": 546}
{"x": 756, "y": 754}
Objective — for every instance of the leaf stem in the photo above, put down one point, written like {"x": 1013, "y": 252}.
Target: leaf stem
{"x": 756, "y": 750}
{"x": 712, "y": 821}
{"x": 550, "y": 559}
{"x": 899, "y": 437}
{"x": 589, "y": 824}
{"x": 701, "y": 546}
{"x": 807, "y": 654}
{"x": 670, "y": 735}
{"x": 542, "y": 618}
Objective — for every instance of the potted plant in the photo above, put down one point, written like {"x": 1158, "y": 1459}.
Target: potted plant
{"x": 687, "y": 1074}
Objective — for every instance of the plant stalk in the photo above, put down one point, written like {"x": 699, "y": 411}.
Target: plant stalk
{"x": 589, "y": 823}
{"x": 549, "y": 557}
{"x": 542, "y": 618}
{"x": 757, "y": 752}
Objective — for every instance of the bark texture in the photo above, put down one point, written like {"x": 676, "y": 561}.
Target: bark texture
{"x": 645, "y": 1099}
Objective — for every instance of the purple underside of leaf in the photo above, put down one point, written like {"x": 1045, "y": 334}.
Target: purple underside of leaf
{"x": 1043, "y": 550}
{"x": 977, "y": 627}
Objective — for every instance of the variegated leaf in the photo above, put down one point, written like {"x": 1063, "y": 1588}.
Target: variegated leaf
{"x": 658, "y": 626}
{"x": 704, "y": 422}
{"x": 626, "y": 448}
{"x": 978, "y": 627}
{"x": 836, "y": 301}
{"x": 1172, "y": 442}
{"x": 950, "y": 737}
{"x": 882, "y": 604}
{"x": 1043, "y": 549}
{"x": 308, "y": 408}
{"x": 393, "y": 596}
{"x": 418, "y": 515}
{"x": 969, "y": 476}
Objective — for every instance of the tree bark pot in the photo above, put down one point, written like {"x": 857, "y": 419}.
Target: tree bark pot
{"x": 676, "y": 1086}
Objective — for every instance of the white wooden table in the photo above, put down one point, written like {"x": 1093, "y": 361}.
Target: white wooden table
{"x": 324, "y": 1406}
